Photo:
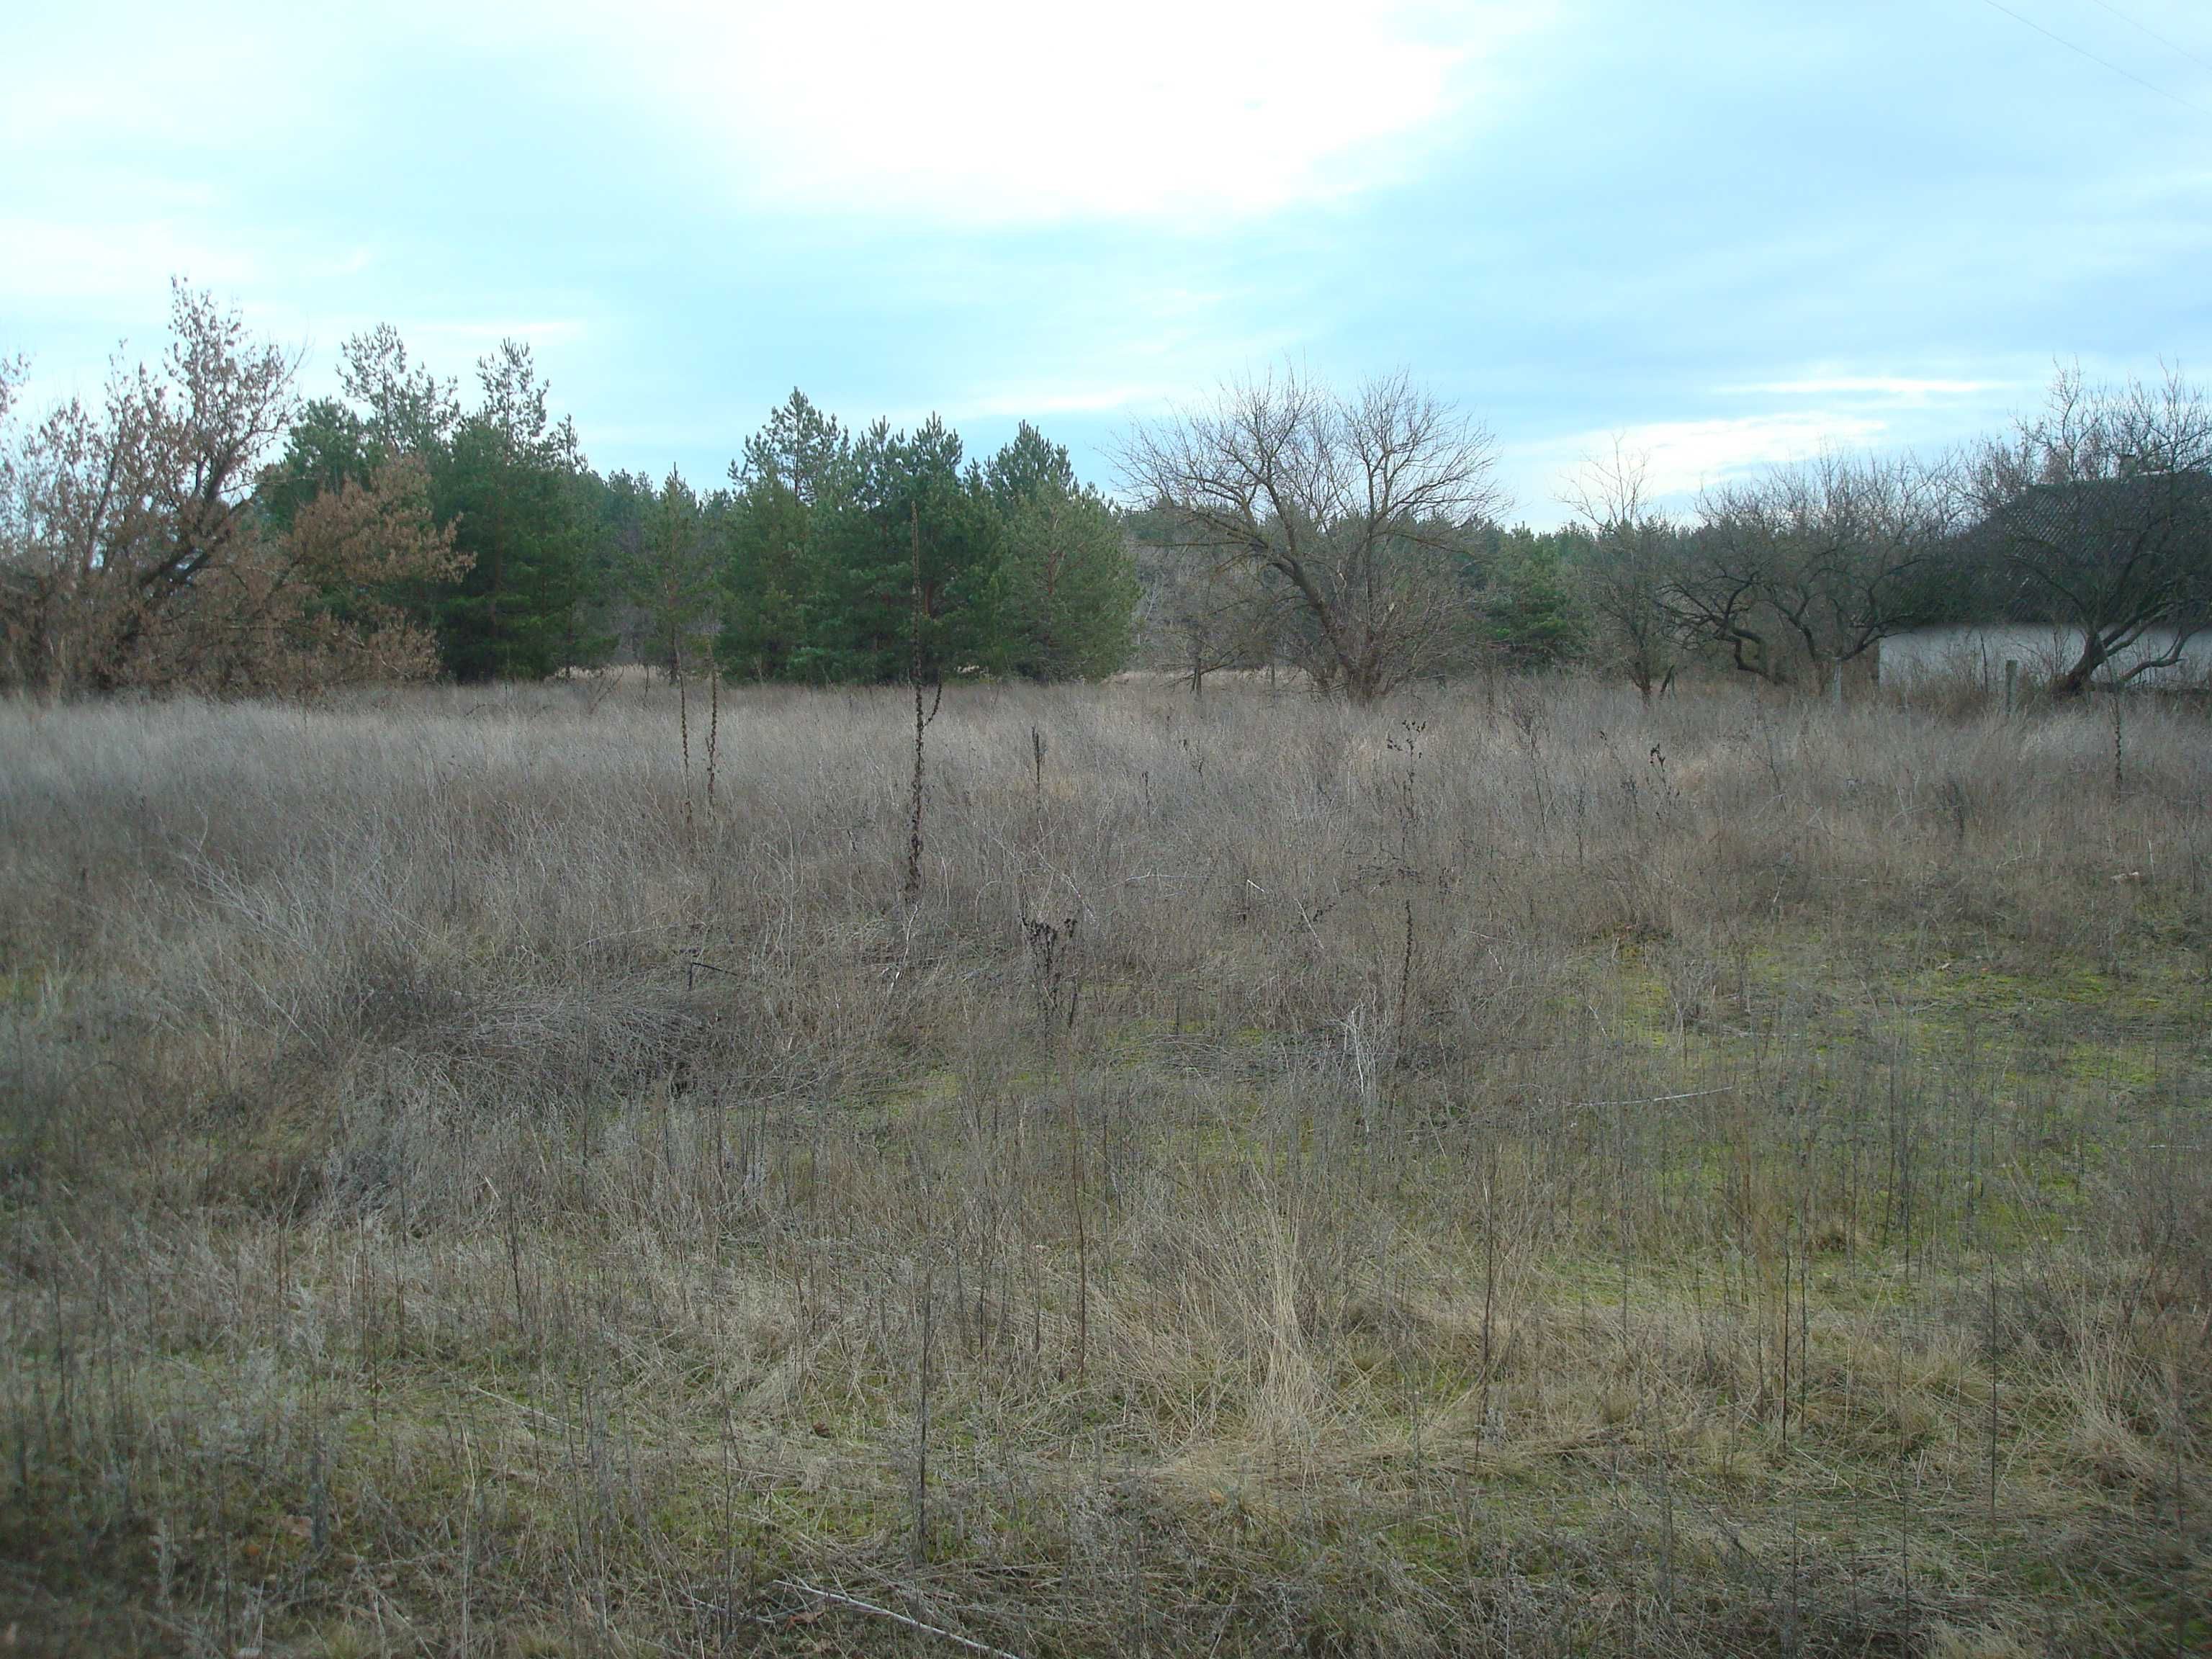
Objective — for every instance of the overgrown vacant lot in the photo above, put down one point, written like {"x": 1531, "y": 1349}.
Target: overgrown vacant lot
{"x": 1509, "y": 1172}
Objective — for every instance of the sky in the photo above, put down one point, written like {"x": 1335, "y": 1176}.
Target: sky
{"x": 1718, "y": 233}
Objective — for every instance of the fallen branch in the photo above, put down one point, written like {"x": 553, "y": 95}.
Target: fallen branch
{"x": 1650, "y": 1100}
{"x": 800, "y": 1588}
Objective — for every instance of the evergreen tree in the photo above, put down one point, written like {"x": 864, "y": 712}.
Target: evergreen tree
{"x": 613, "y": 514}
{"x": 792, "y": 483}
{"x": 533, "y": 526}
{"x": 916, "y": 534}
{"x": 515, "y": 489}
{"x": 1531, "y": 611}
{"x": 615, "y": 553}
{"x": 813, "y": 566}
{"x": 393, "y": 412}
{"x": 673, "y": 577}
{"x": 1067, "y": 580}
{"x": 329, "y": 446}
{"x": 404, "y": 409}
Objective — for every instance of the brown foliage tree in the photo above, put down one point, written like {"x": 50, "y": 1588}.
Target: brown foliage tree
{"x": 134, "y": 554}
{"x": 302, "y": 611}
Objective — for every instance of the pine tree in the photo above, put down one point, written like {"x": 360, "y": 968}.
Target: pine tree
{"x": 1530, "y": 610}
{"x": 514, "y": 488}
{"x": 1067, "y": 587}
{"x": 672, "y": 579}
{"x": 905, "y": 489}
{"x": 793, "y": 482}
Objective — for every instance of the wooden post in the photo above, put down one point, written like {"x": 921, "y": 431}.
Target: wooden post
{"x": 2012, "y": 682}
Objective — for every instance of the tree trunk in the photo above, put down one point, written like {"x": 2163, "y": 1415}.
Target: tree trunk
{"x": 2076, "y": 680}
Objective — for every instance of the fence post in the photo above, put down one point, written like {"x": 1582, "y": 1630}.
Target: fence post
{"x": 2012, "y": 682}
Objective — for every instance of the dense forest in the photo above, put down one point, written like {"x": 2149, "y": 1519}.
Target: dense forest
{"x": 205, "y": 528}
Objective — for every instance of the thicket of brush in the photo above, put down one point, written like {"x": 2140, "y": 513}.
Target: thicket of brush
{"x": 1510, "y": 1172}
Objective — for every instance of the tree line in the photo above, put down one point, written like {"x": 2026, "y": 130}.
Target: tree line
{"x": 1351, "y": 536}
{"x": 203, "y": 527}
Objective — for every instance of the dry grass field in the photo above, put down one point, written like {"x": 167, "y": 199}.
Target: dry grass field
{"x": 1507, "y": 1172}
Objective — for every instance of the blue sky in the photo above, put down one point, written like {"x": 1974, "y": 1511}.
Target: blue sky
{"x": 1728, "y": 232}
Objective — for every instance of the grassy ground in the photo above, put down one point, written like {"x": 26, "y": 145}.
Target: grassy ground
{"x": 1510, "y": 1172}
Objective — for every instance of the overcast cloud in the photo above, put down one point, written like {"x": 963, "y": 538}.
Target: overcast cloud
{"x": 1732, "y": 231}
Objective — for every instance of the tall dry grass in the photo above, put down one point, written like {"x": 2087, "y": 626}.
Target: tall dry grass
{"x": 1514, "y": 1171}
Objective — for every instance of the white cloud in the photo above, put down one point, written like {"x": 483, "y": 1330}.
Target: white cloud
{"x": 1006, "y": 111}
{"x": 978, "y": 112}
{"x": 108, "y": 78}
{"x": 1032, "y": 402}
{"x": 1887, "y": 388}
{"x": 1682, "y": 457}
{"x": 129, "y": 261}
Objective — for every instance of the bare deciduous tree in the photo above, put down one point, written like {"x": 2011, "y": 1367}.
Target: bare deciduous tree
{"x": 1198, "y": 616}
{"x": 1631, "y": 563}
{"x": 1356, "y": 511}
{"x": 2096, "y": 515}
{"x": 1809, "y": 567}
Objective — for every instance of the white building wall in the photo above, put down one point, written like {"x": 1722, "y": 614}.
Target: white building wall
{"x": 1980, "y": 650}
